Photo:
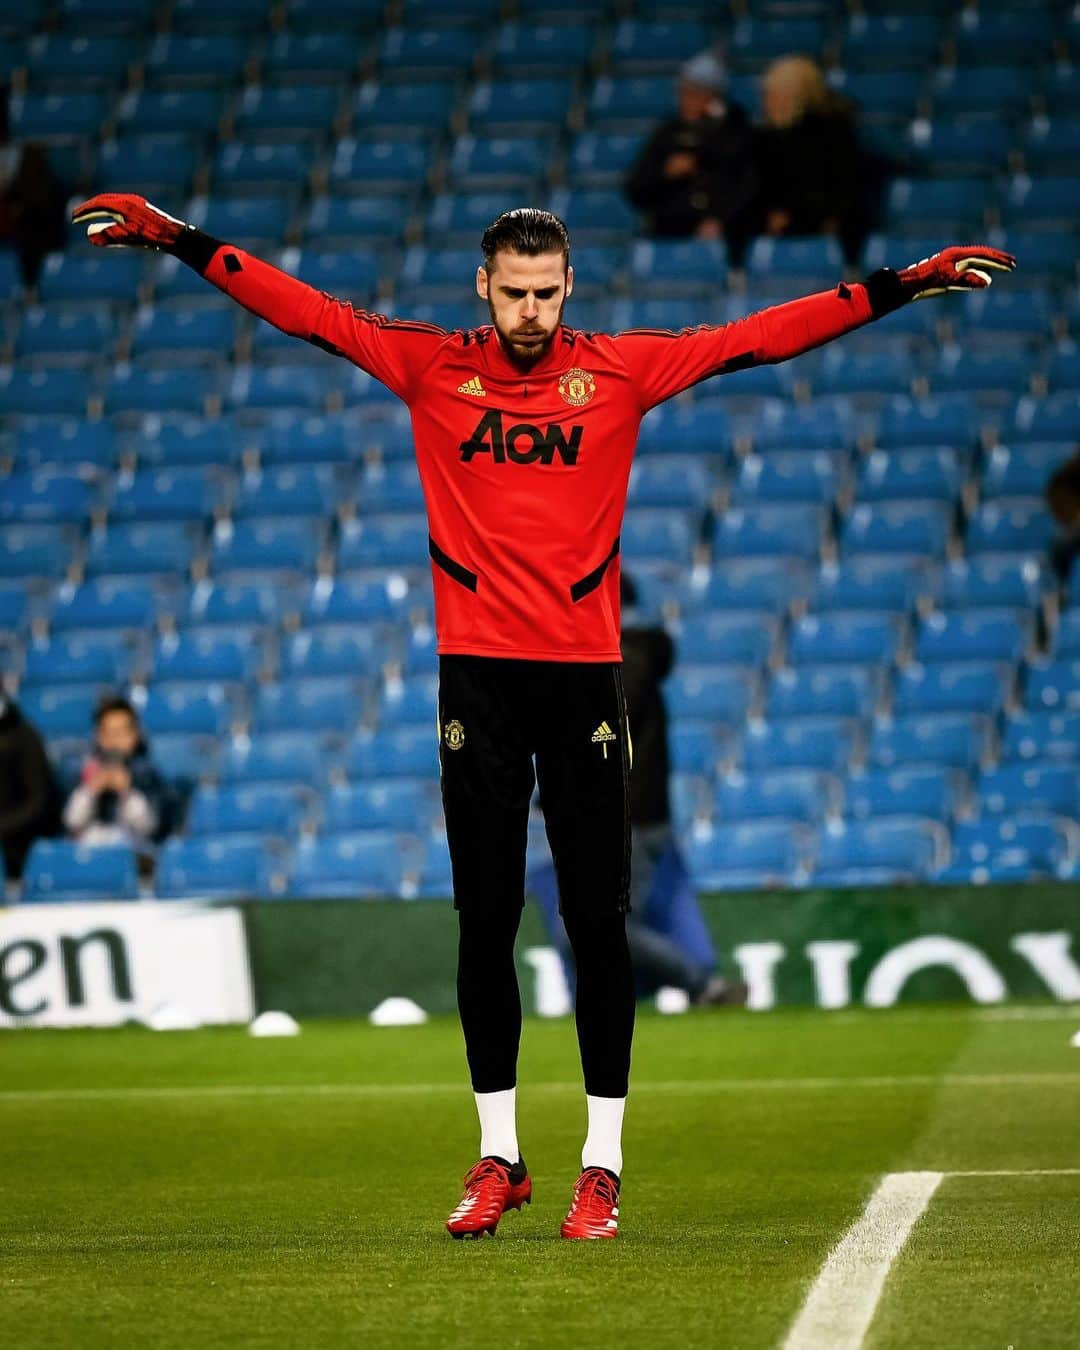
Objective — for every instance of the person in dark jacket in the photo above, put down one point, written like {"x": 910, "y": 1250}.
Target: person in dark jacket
{"x": 29, "y": 807}
{"x": 35, "y": 206}
{"x": 1063, "y": 498}
{"x": 122, "y": 798}
{"x": 695, "y": 174}
{"x": 808, "y": 158}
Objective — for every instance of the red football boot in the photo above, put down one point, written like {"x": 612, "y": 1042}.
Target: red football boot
{"x": 492, "y": 1186}
{"x": 594, "y": 1210}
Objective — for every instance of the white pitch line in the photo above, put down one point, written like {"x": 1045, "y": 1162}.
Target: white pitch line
{"x": 688, "y": 1085}
{"x": 1019, "y": 1172}
{"x": 841, "y": 1303}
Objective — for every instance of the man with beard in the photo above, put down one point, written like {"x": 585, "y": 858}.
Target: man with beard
{"x": 524, "y": 431}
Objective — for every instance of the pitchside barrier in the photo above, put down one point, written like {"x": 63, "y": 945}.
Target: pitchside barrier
{"x": 180, "y": 962}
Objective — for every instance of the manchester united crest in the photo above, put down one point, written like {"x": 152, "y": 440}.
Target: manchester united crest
{"x": 577, "y": 387}
{"x": 454, "y": 735}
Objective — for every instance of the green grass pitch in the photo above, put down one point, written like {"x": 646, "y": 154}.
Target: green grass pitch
{"x": 205, "y": 1189}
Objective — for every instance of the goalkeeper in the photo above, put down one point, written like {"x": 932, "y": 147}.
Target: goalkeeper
{"x": 524, "y": 431}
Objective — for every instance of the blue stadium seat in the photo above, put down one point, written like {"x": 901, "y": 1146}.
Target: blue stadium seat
{"x": 399, "y": 752}
{"x": 165, "y": 548}
{"x": 175, "y": 59}
{"x": 356, "y": 598}
{"x": 950, "y": 686}
{"x": 276, "y": 757}
{"x": 135, "y": 389}
{"x": 1056, "y": 418}
{"x": 1063, "y": 369}
{"x": 1001, "y": 315}
{"x": 43, "y": 117}
{"x": 44, "y": 391}
{"x": 868, "y": 375}
{"x": 721, "y": 693}
{"x": 785, "y": 476}
{"x": 972, "y": 635}
{"x": 306, "y": 57}
{"x": 286, "y": 438}
{"x": 221, "y": 868}
{"x": 1042, "y": 201}
{"x": 882, "y": 97}
{"x": 267, "y": 544}
{"x": 259, "y": 810}
{"x": 877, "y": 852}
{"x": 776, "y": 794}
{"x": 58, "y": 870}
{"x": 768, "y": 584}
{"x": 761, "y": 854}
{"x": 52, "y": 442}
{"x": 679, "y": 428}
{"x": 203, "y": 655}
{"x": 822, "y": 743}
{"x": 517, "y": 107}
{"x": 46, "y": 496}
{"x": 955, "y": 740}
{"x": 340, "y": 221}
{"x": 911, "y": 790}
{"x": 1066, "y": 640}
{"x": 13, "y": 607}
{"x": 329, "y": 703}
{"x": 89, "y": 659}
{"x": 293, "y": 109}
{"x": 717, "y": 638}
{"x": 165, "y": 495}
{"x": 822, "y": 424}
{"x": 857, "y": 637}
{"x": 1053, "y": 685}
{"x": 509, "y": 163}
{"x": 334, "y": 16}
{"x": 50, "y": 333}
{"x": 630, "y": 106}
{"x": 659, "y": 534}
{"x": 246, "y": 221}
{"x": 186, "y": 760}
{"x": 408, "y": 702}
{"x": 1008, "y": 36}
{"x": 789, "y": 531}
{"x": 34, "y": 550}
{"x": 390, "y": 487}
{"x": 117, "y": 602}
{"x": 602, "y": 160}
{"x": 905, "y": 422}
{"x": 871, "y": 42}
{"x": 201, "y": 710}
{"x": 690, "y": 267}
{"x": 383, "y": 541}
{"x": 249, "y": 604}
{"x": 352, "y": 275}
{"x": 303, "y": 384}
{"x": 163, "y": 163}
{"x": 193, "y": 112}
{"x": 942, "y": 204}
{"x": 106, "y": 16}
{"x": 1049, "y": 255}
{"x": 933, "y": 474}
{"x": 1044, "y": 734}
{"x": 540, "y": 48}
{"x": 399, "y": 108}
{"x": 221, "y": 16}
{"x": 1031, "y": 786}
{"x": 966, "y": 90}
{"x": 993, "y": 579}
{"x": 266, "y": 164}
{"x": 1051, "y": 145}
{"x": 381, "y": 166}
{"x": 425, "y": 51}
{"x": 65, "y": 711}
{"x": 785, "y": 260}
{"x": 1021, "y": 471}
{"x": 354, "y": 652}
{"x": 306, "y": 490}
{"x": 404, "y": 804}
{"x": 173, "y": 334}
{"x": 832, "y": 691}
{"x": 1016, "y": 849}
{"x": 970, "y": 148}
{"x": 886, "y": 584}
{"x": 474, "y": 14}
{"x": 642, "y": 47}
{"x": 362, "y": 864}
{"x": 1010, "y": 525}
{"x": 694, "y": 746}
{"x": 595, "y": 217}
{"x": 903, "y": 528}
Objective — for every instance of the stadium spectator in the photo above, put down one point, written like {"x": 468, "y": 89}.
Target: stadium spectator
{"x": 34, "y": 211}
{"x": 29, "y": 801}
{"x": 695, "y": 174}
{"x": 122, "y": 798}
{"x": 808, "y": 158}
{"x": 1063, "y": 496}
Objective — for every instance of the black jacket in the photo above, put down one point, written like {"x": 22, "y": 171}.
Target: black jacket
{"x": 724, "y": 188}
{"x": 29, "y": 799}
{"x": 648, "y": 655}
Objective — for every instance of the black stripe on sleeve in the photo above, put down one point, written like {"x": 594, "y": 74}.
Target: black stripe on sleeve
{"x": 452, "y": 567}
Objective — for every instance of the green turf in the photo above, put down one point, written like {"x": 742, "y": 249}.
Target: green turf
{"x": 304, "y": 1208}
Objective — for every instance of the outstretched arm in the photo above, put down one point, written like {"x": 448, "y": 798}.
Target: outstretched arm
{"x": 394, "y": 351}
{"x": 664, "y": 364}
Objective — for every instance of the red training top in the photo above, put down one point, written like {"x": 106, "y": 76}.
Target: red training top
{"x": 525, "y": 475}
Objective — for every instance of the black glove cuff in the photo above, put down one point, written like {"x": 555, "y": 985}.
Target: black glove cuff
{"x": 885, "y": 291}
{"x": 195, "y": 248}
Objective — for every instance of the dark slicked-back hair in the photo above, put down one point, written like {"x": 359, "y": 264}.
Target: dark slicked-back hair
{"x": 527, "y": 230}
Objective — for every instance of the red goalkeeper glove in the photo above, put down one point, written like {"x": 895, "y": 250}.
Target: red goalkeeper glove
{"x": 116, "y": 218}
{"x": 963, "y": 267}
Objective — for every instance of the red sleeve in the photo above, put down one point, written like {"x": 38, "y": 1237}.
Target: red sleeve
{"x": 395, "y": 351}
{"x": 664, "y": 364}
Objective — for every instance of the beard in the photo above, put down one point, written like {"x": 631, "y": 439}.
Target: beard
{"x": 529, "y": 343}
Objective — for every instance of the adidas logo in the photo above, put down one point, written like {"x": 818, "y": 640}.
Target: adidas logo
{"x": 473, "y": 387}
{"x": 602, "y": 735}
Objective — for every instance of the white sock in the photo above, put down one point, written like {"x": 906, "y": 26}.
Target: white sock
{"x": 498, "y": 1124}
{"x": 603, "y": 1143}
